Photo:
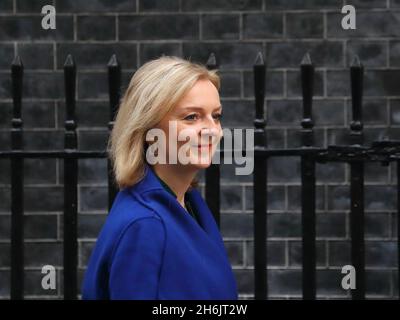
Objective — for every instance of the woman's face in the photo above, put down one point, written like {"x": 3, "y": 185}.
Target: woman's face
{"x": 196, "y": 121}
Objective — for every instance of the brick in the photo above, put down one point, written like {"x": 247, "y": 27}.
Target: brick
{"x": 149, "y": 51}
{"x": 223, "y": 5}
{"x": 231, "y": 198}
{"x": 39, "y": 171}
{"x": 51, "y": 198}
{"x": 5, "y": 255}
{"x": 395, "y": 112}
{"x": 6, "y": 56}
{"x": 381, "y": 254}
{"x": 13, "y": 28}
{"x": 329, "y": 112}
{"x": 294, "y": 198}
{"x": 273, "y": 84}
{"x": 93, "y": 198}
{"x": 284, "y": 225}
{"x": 86, "y": 248}
{"x": 371, "y": 53}
{"x": 275, "y": 138}
{"x": 27, "y": 6}
{"x": 5, "y": 197}
{"x": 380, "y": 197}
{"x": 368, "y": 24}
{"x": 96, "y": 6}
{"x": 296, "y": 253}
{"x": 294, "y": 84}
{"x": 377, "y": 224}
{"x": 338, "y": 197}
{"x": 330, "y": 172}
{"x": 394, "y": 228}
{"x": 44, "y": 85}
{"x": 339, "y": 253}
{"x": 234, "y": 250}
{"x": 40, "y": 227}
{"x": 369, "y": 3}
{"x": 33, "y": 286}
{"x": 244, "y": 280}
{"x": 155, "y": 27}
{"x": 220, "y": 27}
{"x": 89, "y": 26}
{"x": 89, "y": 225}
{"x": 275, "y": 198}
{"x": 5, "y": 226}
{"x": 92, "y": 85}
{"x": 5, "y": 86}
{"x": 283, "y": 169}
{"x": 304, "y": 25}
{"x": 262, "y": 26}
{"x": 42, "y": 253}
{"x": 6, "y": 6}
{"x": 236, "y": 225}
{"x": 375, "y": 172}
{"x": 93, "y": 140}
{"x": 302, "y": 5}
{"x": 158, "y": 5}
{"x": 394, "y": 50}
{"x": 284, "y": 112}
{"x": 284, "y": 282}
{"x": 378, "y": 282}
{"x": 331, "y": 225}
{"x": 6, "y": 115}
{"x": 37, "y": 114}
{"x": 92, "y": 171}
{"x": 89, "y": 115}
{"x": 276, "y": 253}
{"x": 230, "y": 54}
{"x": 238, "y": 114}
{"x": 289, "y": 54}
{"x": 329, "y": 283}
{"x": 381, "y": 83}
{"x": 230, "y": 84}
{"x": 5, "y": 277}
{"x": 97, "y": 55}
{"x": 43, "y": 140}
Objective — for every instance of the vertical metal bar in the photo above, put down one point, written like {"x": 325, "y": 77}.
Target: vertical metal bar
{"x": 357, "y": 182}
{"x": 17, "y": 186}
{"x": 308, "y": 183}
{"x": 70, "y": 185}
{"x": 213, "y": 171}
{"x": 114, "y": 86}
{"x": 260, "y": 184}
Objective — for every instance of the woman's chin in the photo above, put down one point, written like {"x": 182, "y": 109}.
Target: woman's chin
{"x": 201, "y": 162}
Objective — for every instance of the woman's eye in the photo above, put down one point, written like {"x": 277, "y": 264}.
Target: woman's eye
{"x": 191, "y": 117}
{"x": 218, "y": 116}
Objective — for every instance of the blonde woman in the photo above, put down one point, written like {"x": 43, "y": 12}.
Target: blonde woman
{"x": 160, "y": 240}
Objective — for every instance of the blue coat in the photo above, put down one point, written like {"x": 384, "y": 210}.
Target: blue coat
{"x": 151, "y": 248}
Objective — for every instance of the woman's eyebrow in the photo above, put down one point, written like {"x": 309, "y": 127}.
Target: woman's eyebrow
{"x": 199, "y": 108}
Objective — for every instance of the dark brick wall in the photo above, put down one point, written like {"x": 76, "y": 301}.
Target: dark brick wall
{"x": 235, "y": 30}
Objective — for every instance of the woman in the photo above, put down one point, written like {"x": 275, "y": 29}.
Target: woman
{"x": 160, "y": 240}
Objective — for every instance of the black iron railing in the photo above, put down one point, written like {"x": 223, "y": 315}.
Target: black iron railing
{"x": 355, "y": 154}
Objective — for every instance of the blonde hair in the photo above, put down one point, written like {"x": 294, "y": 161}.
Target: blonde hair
{"x": 155, "y": 88}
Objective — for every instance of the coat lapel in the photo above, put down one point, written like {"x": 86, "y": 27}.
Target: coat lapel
{"x": 162, "y": 200}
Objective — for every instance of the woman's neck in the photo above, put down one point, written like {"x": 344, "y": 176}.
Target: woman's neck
{"x": 177, "y": 177}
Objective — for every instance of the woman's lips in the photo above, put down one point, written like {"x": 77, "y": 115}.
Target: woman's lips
{"x": 204, "y": 145}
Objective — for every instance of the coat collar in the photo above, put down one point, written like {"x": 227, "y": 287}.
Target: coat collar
{"x": 160, "y": 199}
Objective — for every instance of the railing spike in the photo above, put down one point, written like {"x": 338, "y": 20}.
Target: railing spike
{"x": 259, "y": 60}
